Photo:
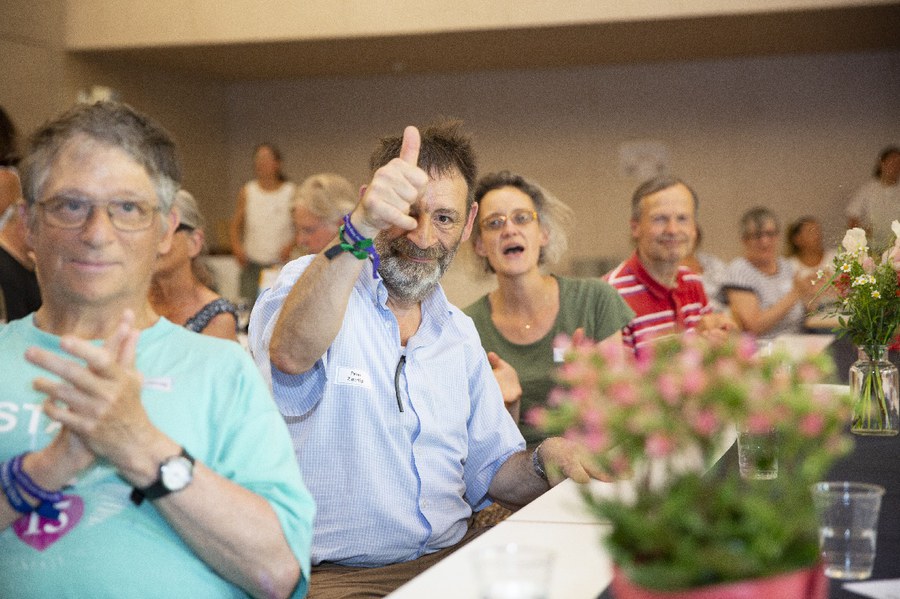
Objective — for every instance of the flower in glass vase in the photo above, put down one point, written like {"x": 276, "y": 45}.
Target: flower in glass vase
{"x": 868, "y": 313}
{"x": 658, "y": 421}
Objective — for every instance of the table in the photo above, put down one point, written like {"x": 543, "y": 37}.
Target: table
{"x": 556, "y": 520}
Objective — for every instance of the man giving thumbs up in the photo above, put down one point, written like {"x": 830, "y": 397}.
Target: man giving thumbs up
{"x": 398, "y": 423}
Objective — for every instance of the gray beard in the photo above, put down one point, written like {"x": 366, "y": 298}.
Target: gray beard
{"x": 411, "y": 282}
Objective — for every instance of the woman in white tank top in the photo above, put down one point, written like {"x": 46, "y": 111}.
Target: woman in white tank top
{"x": 262, "y": 230}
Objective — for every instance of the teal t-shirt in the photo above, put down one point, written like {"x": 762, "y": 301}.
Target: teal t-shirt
{"x": 207, "y": 395}
{"x": 591, "y": 304}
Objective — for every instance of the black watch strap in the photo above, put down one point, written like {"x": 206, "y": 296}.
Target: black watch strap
{"x": 158, "y": 488}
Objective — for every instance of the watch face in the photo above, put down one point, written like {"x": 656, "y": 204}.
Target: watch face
{"x": 176, "y": 473}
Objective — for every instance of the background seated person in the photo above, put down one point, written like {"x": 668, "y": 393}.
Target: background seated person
{"x": 806, "y": 252}
{"x": 666, "y": 296}
{"x": 181, "y": 283}
{"x": 711, "y": 269}
{"x": 519, "y": 229}
{"x": 137, "y": 442}
{"x": 321, "y": 202}
{"x": 766, "y": 296}
{"x": 19, "y": 289}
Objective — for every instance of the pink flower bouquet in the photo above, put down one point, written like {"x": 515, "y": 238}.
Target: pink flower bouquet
{"x": 660, "y": 419}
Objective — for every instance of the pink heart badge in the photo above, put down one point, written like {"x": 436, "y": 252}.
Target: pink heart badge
{"x": 41, "y": 532}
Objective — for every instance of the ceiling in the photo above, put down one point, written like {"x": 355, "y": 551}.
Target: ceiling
{"x": 800, "y": 32}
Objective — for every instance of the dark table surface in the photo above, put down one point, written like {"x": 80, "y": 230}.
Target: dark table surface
{"x": 873, "y": 460}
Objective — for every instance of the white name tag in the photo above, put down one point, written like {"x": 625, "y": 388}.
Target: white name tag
{"x": 353, "y": 377}
{"x": 162, "y": 383}
{"x": 559, "y": 354}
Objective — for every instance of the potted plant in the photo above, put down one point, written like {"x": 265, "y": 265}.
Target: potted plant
{"x": 657, "y": 421}
{"x": 869, "y": 315}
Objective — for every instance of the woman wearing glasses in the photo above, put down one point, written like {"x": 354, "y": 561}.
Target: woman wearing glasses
{"x": 766, "y": 295}
{"x": 519, "y": 229}
{"x": 181, "y": 284}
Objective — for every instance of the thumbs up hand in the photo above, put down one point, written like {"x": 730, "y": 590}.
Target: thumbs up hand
{"x": 394, "y": 188}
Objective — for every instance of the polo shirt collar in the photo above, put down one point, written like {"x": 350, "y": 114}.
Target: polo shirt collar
{"x": 654, "y": 287}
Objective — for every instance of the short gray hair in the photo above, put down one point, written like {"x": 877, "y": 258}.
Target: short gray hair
{"x": 327, "y": 196}
{"x": 109, "y": 124}
{"x": 653, "y": 185}
{"x": 755, "y": 218}
{"x": 554, "y": 217}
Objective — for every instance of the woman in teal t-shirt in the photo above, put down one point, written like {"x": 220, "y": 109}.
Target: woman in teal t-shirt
{"x": 518, "y": 230}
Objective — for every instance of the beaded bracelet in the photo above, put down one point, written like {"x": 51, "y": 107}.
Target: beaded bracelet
{"x": 47, "y": 498}
{"x": 359, "y": 246}
{"x": 12, "y": 477}
{"x": 11, "y": 491}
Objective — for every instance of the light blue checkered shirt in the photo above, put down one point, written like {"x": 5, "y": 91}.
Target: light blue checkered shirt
{"x": 390, "y": 486}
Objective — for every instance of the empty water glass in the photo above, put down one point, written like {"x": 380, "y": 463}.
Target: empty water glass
{"x": 848, "y": 524}
{"x": 513, "y": 572}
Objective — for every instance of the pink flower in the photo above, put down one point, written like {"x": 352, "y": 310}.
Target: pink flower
{"x": 868, "y": 265}
{"x": 622, "y": 393}
{"x": 760, "y": 423}
{"x": 536, "y": 417}
{"x": 809, "y": 373}
{"x": 593, "y": 418}
{"x": 659, "y": 445}
{"x": 706, "y": 423}
{"x": 746, "y": 347}
{"x": 594, "y": 440}
{"x": 694, "y": 381}
{"x": 726, "y": 368}
{"x": 667, "y": 385}
{"x": 691, "y": 357}
{"x": 893, "y": 255}
{"x": 811, "y": 425}
{"x": 557, "y": 397}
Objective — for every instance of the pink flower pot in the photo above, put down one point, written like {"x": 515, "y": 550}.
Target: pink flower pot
{"x": 800, "y": 584}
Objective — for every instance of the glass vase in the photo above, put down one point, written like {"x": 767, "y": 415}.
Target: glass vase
{"x": 876, "y": 396}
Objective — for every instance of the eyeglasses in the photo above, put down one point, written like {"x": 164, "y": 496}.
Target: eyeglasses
{"x": 757, "y": 235}
{"x": 73, "y": 212}
{"x": 520, "y": 218}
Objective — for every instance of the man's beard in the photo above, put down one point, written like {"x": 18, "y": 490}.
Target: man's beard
{"x": 410, "y": 282}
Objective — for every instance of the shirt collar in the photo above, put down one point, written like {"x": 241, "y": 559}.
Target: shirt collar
{"x": 435, "y": 306}
{"x": 653, "y": 286}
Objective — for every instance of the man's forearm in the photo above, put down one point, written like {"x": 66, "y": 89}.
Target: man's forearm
{"x": 517, "y": 483}
{"x": 313, "y": 312}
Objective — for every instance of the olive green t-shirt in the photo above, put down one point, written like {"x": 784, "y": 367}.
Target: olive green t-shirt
{"x": 591, "y": 304}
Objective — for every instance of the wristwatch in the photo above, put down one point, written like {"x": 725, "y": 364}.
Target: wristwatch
{"x": 175, "y": 473}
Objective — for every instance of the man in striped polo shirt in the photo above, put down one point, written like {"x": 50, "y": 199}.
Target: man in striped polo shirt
{"x": 665, "y": 296}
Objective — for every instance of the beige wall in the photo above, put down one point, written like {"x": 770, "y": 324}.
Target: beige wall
{"x": 193, "y": 109}
{"x": 797, "y": 133}
{"x": 32, "y": 61}
{"x": 794, "y": 133}
{"x": 129, "y": 23}
{"x": 39, "y": 81}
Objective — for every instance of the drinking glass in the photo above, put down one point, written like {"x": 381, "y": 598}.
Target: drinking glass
{"x": 848, "y": 524}
{"x": 513, "y": 572}
{"x": 758, "y": 455}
